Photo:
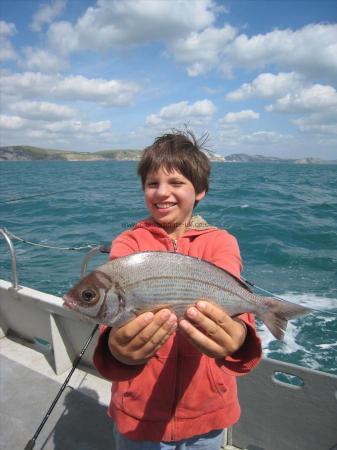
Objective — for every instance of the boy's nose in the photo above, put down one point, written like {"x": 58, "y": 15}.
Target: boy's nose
{"x": 163, "y": 190}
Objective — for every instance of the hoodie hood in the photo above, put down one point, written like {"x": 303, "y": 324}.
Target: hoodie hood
{"x": 196, "y": 226}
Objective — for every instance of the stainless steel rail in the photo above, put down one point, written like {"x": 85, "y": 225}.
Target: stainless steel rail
{"x": 4, "y": 233}
{"x": 99, "y": 249}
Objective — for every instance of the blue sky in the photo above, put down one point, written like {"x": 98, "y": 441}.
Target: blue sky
{"x": 258, "y": 76}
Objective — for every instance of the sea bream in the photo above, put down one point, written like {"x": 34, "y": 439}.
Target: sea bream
{"x": 121, "y": 289}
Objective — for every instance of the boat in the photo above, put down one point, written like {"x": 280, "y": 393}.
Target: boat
{"x": 284, "y": 406}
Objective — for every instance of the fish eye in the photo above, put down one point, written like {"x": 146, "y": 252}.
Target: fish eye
{"x": 88, "y": 295}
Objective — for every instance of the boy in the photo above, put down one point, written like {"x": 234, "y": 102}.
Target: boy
{"x": 174, "y": 384}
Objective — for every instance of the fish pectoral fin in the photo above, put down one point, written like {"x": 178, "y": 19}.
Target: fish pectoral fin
{"x": 278, "y": 313}
{"x": 178, "y": 308}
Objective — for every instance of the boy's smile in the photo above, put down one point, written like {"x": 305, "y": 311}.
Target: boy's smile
{"x": 170, "y": 198}
{"x": 165, "y": 205}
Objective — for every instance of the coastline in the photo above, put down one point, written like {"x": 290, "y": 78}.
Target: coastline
{"x": 28, "y": 153}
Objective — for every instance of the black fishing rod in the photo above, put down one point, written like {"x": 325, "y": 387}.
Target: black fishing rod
{"x": 31, "y": 443}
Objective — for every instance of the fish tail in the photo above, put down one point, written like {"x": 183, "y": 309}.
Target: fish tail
{"x": 278, "y": 314}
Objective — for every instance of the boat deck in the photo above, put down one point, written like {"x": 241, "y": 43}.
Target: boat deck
{"x": 28, "y": 387}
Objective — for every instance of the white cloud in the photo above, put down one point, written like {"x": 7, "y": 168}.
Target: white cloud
{"x": 44, "y": 111}
{"x": 310, "y": 99}
{"x": 47, "y": 13}
{"x": 7, "y": 29}
{"x": 265, "y": 137}
{"x": 112, "y": 23}
{"x": 268, "y": 85}
{"x": 11, "y": 122}
{"x": 78, "y": 126}
{"x": 107, "y": 93}
{"x": 202, "y": 51}
{"x": 64, "y": 38}
{"x": 182, "y": 113}
{"x": 317, "y": 103}
{"x": 72, "y": 134}
{"x": 234, "y": 117}
{"x": 189, "y": 33}
{"x": 311, "y": 50}
{"x": 308, "y": 126}
{"x": 234, "y": 139}
{"x": 7, "y": 51}
{"x": 43, "y": 60}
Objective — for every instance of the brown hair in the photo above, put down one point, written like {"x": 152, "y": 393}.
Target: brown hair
{"x": 177, "y": 151}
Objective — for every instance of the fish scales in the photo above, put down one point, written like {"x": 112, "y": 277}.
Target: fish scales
{"x": 123, "y": 288}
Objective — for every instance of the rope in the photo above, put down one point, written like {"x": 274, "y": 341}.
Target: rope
{"x": 27, "y": 197}
{"x": 265, "y": 291}
{"x": 13, "y": 236}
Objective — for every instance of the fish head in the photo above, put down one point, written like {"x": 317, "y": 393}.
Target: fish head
{"x": 94, "y": 296}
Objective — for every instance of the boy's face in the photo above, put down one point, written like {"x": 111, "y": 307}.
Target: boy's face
{"x": 170, "y": 198}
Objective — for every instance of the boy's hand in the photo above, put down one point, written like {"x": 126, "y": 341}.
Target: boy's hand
{"x": 212, "y": 331}
{"x": 139, "y": 340}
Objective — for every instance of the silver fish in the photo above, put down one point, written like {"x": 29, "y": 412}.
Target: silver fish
{"x": 123, "y": 288}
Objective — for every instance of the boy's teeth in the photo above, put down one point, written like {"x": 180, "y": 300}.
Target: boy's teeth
{"x": 164, "y": 205}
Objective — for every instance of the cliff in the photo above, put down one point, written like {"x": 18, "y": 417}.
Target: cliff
{"x": 28, "y": 153}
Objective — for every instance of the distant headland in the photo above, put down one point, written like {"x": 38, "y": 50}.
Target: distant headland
{"x": 28, "y": 153}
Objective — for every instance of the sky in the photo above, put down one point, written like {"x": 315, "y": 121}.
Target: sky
{"x": 256, "y": 76}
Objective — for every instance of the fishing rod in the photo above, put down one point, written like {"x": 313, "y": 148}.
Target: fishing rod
{"x": 31, "y": 443}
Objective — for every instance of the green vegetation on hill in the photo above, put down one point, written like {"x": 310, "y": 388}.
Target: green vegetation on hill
{"x": 28, "y": 153}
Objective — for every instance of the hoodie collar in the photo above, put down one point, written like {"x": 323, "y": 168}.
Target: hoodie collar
{"x": 197, "y": 226}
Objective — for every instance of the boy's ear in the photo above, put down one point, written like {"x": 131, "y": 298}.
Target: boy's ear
{"x": 200, "y": 196}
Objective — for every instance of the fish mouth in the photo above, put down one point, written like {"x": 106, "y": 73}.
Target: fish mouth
{"x": 68, "y": 303}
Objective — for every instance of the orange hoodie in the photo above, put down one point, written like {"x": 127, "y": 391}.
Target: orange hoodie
{"x": 180, "y": 392}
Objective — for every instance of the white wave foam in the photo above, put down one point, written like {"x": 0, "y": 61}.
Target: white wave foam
{"x": 288, "y": 345}
{"x": 312, "y": 301}
{"x": 326, "y": 346}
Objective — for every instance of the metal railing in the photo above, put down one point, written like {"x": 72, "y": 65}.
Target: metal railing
{"x": 13, "y": 257}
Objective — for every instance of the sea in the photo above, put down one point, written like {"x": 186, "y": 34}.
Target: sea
{"x": 283, "y": 215}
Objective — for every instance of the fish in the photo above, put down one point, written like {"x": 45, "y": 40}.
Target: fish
{"x": 123, "y": 288}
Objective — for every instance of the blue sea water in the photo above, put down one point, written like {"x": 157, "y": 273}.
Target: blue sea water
{"x": 284, "y": 217}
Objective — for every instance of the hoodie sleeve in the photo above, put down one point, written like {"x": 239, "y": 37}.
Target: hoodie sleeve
{"x": 226, "y": 254}
{"x": 108, "y": 366}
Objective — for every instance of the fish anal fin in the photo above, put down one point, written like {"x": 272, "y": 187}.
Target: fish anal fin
{"x": 276, "y": 324}
{"x": 278, "y": 313}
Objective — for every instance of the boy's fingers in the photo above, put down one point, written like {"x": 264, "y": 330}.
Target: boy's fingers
{"x": 201, "y": 341}
{"x": 162, "y": 325}
{"x": 158, "y": 342}
{"x": 141, "y": 330}
{"x": 128, "y": 332}
{"x": 217, "y": 315}
{"x": 215, "y": 328}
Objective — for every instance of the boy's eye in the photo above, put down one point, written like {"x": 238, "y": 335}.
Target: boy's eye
{"x": 151, "y": 183}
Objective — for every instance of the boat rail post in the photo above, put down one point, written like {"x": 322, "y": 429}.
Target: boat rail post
{"x": 99, "y": 249}
{"x": 4, "y": 233}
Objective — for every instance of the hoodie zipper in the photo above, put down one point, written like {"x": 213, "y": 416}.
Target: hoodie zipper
{"x": 176, "y": 393}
